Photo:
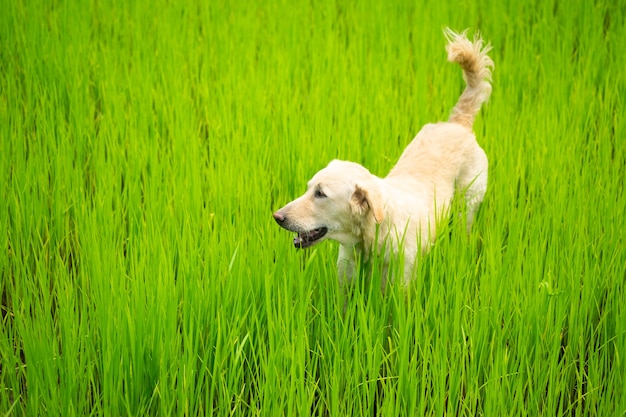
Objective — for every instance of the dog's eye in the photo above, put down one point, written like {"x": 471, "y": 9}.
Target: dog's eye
{"x": 319, "y": 194}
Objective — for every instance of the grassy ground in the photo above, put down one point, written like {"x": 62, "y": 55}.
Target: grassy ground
{"x": 144, "y": 146}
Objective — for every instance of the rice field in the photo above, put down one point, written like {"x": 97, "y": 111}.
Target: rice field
{"x": 144, "y": 146}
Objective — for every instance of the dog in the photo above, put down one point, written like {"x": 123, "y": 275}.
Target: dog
{"x": 398, "y": 214}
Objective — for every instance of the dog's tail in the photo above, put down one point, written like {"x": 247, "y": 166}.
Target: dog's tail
{"x": 477, "y": 66}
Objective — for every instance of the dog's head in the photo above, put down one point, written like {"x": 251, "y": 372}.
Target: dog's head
{"x": 340, "y": 201}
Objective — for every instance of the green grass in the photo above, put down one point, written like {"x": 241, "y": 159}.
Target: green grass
{"x": 144, "y": 146}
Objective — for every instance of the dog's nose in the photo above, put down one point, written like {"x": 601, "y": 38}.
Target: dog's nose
{"x": 279, "y": 217}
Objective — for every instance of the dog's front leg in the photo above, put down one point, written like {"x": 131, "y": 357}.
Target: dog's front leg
{"x": 346, "y": 268}
{"x": 346, "y": 265}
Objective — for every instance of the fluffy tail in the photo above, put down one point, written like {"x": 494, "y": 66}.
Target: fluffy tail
{"x": 477, "y": 66}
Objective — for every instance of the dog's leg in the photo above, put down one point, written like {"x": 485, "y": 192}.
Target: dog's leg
{"x": 346, "y": 265}
{"x": 346, "y": 268}
{"x": 472, "y": 181}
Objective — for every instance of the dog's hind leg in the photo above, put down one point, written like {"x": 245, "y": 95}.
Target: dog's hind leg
{"x": 472, "y": 181}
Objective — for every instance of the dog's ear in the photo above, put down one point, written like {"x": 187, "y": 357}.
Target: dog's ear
{"x": 363, "y": 200}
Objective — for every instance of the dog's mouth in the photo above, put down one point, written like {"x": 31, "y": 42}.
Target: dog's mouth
{"x": 306, "y": 239}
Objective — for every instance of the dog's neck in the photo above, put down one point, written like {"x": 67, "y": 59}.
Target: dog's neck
{"x": 369, "y": 234}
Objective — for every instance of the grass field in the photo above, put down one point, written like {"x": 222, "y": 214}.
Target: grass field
{"x": 144, "y": 146}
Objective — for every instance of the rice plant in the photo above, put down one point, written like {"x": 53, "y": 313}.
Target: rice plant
{"x": 145, "y": 145}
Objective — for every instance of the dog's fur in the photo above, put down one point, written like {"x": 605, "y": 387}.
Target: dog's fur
{"x": 365, "y": 213}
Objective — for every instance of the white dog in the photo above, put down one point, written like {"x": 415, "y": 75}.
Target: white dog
{"x": 399, "y": 213}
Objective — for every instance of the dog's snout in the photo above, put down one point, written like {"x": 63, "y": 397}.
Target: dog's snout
{"x": 279, "y": 217}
